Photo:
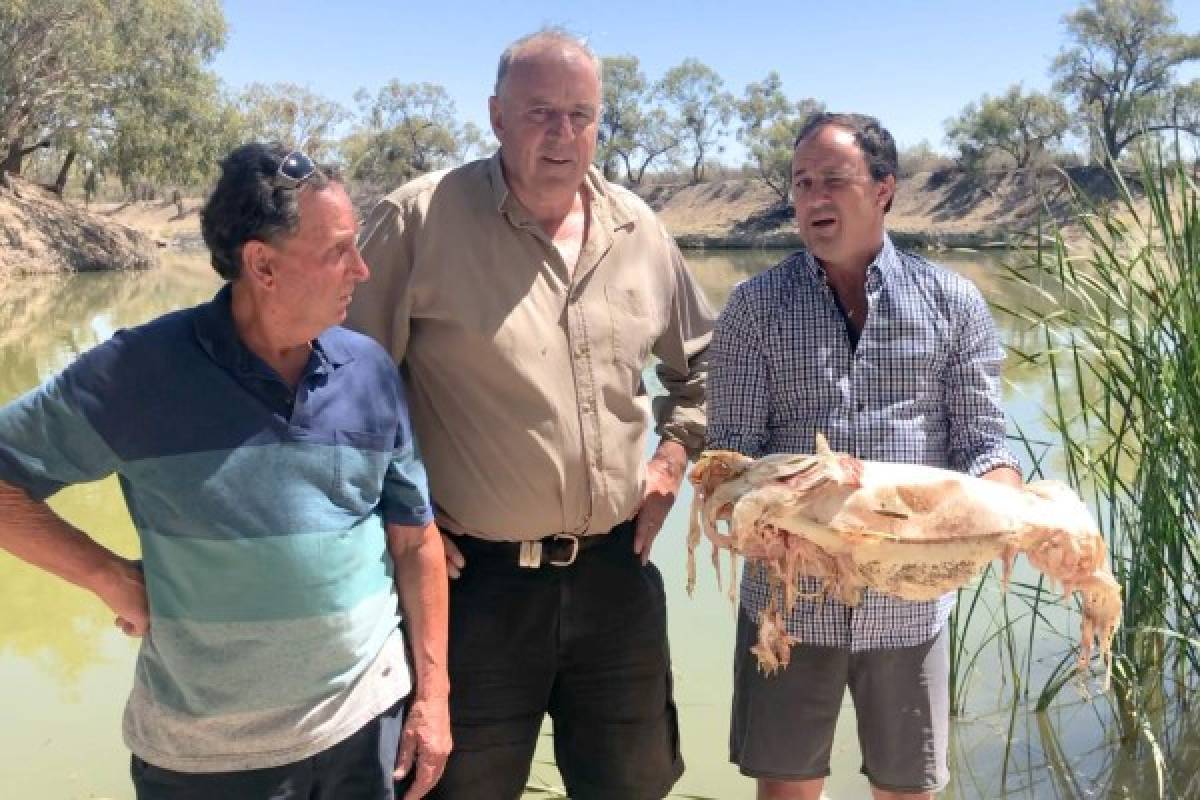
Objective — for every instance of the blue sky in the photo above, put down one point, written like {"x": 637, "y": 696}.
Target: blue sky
{"x": 912, "y": 64}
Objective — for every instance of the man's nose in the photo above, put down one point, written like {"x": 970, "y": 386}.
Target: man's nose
{"x": 560, "y": 124}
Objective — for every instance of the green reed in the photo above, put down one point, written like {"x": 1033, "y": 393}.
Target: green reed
{"x": 1119, "y": 318}
{"x": 1114, "y": 318}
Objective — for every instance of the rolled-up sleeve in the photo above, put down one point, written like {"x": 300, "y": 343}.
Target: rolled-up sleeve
{"x": 739, "y": 384}
{"x": 682, "y": 351}
{"x": 47, "y": 443}
{"x": 974, "y": 401}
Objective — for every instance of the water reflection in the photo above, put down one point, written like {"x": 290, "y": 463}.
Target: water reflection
{"x": 68, "y": 670}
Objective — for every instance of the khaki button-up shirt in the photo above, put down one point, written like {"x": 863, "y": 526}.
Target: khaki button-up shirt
{"x": 525, "y": 375}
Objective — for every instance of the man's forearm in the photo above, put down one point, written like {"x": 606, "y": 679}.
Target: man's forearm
{"x": 32, "y": 532}
{"x": 423, "y": 588}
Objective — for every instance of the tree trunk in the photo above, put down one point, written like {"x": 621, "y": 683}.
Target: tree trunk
{"x": 629, "y": 169}
{"x": 16, "y": 154}
{"x": 60, "y": 183}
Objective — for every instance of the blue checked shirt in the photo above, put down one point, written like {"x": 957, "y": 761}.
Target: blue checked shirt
{"x": 921, "y": 387}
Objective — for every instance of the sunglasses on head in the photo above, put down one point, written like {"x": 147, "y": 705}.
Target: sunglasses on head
{"x": 294, "y": 170}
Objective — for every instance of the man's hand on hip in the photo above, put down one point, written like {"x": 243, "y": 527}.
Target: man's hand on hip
{"x": 664, "y": 474}
{"x": 123, "y": 589}
{"x": 424, "y": 745}
{"x": 454, "y": 557}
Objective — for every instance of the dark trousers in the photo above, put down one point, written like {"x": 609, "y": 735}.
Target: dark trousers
{"x": 357, "y": 768}
{"x": 586, "y": 643}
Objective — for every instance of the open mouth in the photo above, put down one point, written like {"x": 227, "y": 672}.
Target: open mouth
{"x": 558, "y": 162}
{"x": 823, "y": 223}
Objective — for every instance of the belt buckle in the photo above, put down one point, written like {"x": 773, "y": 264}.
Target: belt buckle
{"x": 574, "y": 550}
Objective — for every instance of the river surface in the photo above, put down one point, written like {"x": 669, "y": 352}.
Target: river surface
{"x": 65, "y": 670}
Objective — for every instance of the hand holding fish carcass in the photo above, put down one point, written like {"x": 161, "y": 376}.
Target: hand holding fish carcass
{"x": 910, "y": 531}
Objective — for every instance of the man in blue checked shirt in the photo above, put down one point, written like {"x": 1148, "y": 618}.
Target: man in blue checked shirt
{"x": 268, "y": 463}
{"x": 893, "y": 359}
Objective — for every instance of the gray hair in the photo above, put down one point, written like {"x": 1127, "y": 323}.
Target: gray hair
{"x": 549, "y": 35}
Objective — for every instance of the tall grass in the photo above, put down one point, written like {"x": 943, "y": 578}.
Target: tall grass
{"x": 1119, "y": 318}
{"x": 1116, "y": 317}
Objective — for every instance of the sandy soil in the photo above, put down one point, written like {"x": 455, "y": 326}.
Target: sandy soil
{"x": 158, "y": 219}
{"x": 39, "y": 233}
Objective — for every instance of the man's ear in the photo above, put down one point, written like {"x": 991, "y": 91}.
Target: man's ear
{"x": 495, "y": 117}
{"x": 257, "y": 264}
{"x": 887, "y": 190}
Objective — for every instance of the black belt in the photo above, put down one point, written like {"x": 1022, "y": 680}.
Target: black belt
{"x": 556, "y": 550}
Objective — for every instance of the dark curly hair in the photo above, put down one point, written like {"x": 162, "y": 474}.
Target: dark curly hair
{"x": 249, "y": 204}
{"x": 876, "y": 143}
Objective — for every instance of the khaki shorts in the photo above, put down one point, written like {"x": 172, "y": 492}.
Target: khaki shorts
{"x": 782, "y": 725}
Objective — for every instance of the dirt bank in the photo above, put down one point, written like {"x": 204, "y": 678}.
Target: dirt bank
{"x": 41, "y": 234}
{"x": 941, "y": 209}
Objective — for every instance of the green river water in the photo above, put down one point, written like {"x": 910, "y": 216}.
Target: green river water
{"x": 65, "y": 670}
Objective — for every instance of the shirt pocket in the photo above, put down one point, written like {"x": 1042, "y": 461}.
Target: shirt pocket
{"x": 634, "y": 324}
{"x": 917, "y": 370}
{"x": 361, "y": 460}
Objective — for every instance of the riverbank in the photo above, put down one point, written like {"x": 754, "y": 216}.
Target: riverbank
{"x": 42, "y": 234}
{"x": 943, "y": 209}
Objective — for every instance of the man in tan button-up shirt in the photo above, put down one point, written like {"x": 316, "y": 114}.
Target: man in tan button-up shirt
{"x": 524, "y": 294}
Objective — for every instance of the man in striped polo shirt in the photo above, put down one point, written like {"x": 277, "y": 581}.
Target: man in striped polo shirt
{"x": 267, "y": 460}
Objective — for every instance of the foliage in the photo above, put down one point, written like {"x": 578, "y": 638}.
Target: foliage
{"x": 621, "y": 112}
{"x": 770, "y": 125}
{"x": 702, "y": 109}
{"x": 293, "y": 115}
{"x": 1022, "y": 126}
{"x": 1126, "y": 360}
{"x": 1118, "y": 321}
{"x": 408, "y": 129}
{"x": 1120, "y": 70}
{"x": 122, "y": 82}
{"x": 920, "y": 157}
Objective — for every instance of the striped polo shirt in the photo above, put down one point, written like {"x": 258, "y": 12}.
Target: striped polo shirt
{"x": 260, "y": 512}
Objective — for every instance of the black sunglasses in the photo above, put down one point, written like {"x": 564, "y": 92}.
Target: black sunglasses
{"x": 294, "y": 170}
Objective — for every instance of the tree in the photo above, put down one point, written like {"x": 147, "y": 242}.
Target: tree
{"x": 770, "y": 125}
{"x": 410, "y": 129}
{"x": 657, "y": 136}
{"x": 763, "y": 103}
{"x": 1015, "y": 123}
{"x": 178, "y": 139}
{"x": 73, "y": 72}
{"x": 630, "y": 131}
{"x": 1120, "y": 70}
{"x": 293, "y": 115}
{"x": 621, "y": 114}
{"x": 703, "y": 110}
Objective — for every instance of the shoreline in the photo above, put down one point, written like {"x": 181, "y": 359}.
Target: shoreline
{"x": 931, "y": 241}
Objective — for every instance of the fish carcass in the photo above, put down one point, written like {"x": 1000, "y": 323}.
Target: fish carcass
{"x": 911, "y": 531}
